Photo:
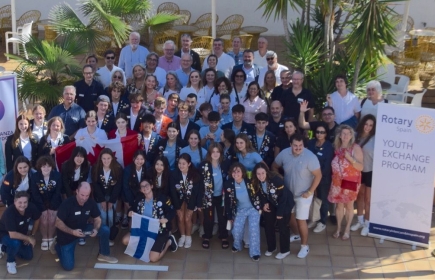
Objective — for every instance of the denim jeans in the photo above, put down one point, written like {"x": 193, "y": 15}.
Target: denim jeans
{"x": 15, "y": 247}
{"x": 104, "y": 214}
{"x": 66, "y": 252}
{"x": 252, "y": 217}
{"x": 322, "y": 193}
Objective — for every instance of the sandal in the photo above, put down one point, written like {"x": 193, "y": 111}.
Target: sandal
{"x": 44, "y": 245}
{"x": 225, "y": 244}
{"x": 345, "y": 236}
{"x": 206, "y": 244}
{"x": 336, "y": 234}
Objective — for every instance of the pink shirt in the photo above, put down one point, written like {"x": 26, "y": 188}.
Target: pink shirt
{"x": 253, "y": 108}
{"x": 169, "y": 66}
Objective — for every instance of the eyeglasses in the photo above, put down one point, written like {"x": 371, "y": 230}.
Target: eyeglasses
{"x": 110, "y": 57}
{"x": 320, "y": 132}
{"x": 269, "y": 58}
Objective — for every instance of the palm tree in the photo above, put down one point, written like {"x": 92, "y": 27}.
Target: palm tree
{"x": 49, "y": 68}
{"x": 371, "y": 30}
{"x": 279, "y": 10}
{"x": 106, "y": 20}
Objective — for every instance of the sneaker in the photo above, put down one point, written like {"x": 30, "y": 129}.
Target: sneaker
{"x": 246, "y": 246}
{"x": 108, "y": 259}
{"x": 201, "y": 231}
{"x": 256, "y": 258}
{"x": 280, "y": 256}
{"x": 365, "y": 231}
{"x": 295, "y": 237}
{"x": 174, "y": 245}
{"x": 111, "y": 243}
{"x": 215, "y": 229}
{"x": 12, "y": 267}
{"x": 181, "y": 241}
{"x": 188, "y": 242}
{"x": 312, "y": 224}
{"x": 124, "y": 224}
{"x": 234, "y": 250}
{"x": 118, "y": 220}
{"x": 82, "y": 241}
{"x": 44, "y": 245}
{"x": 304, "y": 251}
{"x": 319, "y": 228}
{"x": 195, "y": 227}
{"x": 268, "y": 253}
{"x": 52, "y": 246}
{"x": 356, "y": 226}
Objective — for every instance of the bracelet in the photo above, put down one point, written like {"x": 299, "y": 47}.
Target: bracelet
{"x": 309, "y": 192}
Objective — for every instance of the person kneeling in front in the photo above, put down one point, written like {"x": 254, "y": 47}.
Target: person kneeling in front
{"x": 14, "y": 224}
{"x": 71, "y": 223}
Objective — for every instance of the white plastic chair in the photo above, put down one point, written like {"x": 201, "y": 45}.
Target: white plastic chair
{"x": 416, "y": 101}
{"x": 398, "y": 91}
{"x": 22, "y": 36}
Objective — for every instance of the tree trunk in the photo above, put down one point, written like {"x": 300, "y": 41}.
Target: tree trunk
{"x": 285, "y": 25}
{"x": 342, "y": 26}
{"x": 303, "y": 13}
{"x": 331, "y": 30}
{"x": 326, "y": 37}
{"x": 308, "y": 12}
{"x": 356, "y": 74}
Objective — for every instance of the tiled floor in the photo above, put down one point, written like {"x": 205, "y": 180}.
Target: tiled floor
{"x": 357, "y": 258}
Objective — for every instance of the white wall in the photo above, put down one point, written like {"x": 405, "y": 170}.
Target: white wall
{"x": 420, "y": 10}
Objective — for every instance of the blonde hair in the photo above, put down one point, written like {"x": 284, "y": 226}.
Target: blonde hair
{"x": 39, "y": 107}
{"x": 337, "y": 140}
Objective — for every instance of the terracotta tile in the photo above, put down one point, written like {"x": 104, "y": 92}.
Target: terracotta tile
{"x": 76, "y": 273}
{"x": 338, "y": 242}
{"x": 371, "y": 273}
{"x": 295, "y": 272}
{"x": 272, "y": 259}
{"x": 341, "y": 261}
{"x": 48, "y": 260}
{"x": 388, "y": 252}
{"x": 45, "y": 272}
{"x": 242, "y": 257}
{"x": 245, "y": 276}
{"x": 317, "y": 272}
{"x": 219, "y": 267}
{"x": 170, "y": 275}
{"x": 365, "y": 252}
{"x": 294, "y": 260}
{"x": 93, "y": 273}
{"x": 340, "y": 250}
{"x": 23, "y": 272}
{"x": 270, "y": 277}
{"x": 269, "y": 269}
{"x": 319, "y": 249}
{"x": 246, "y": 268}
{"x": 219, "y": 276}
{"x": 421, "y": 254}
{"x": 180, "y": 254}
{"x": 222, "y": 256}
{"x": 196, "y": 267}
{"x": 320, "y": 238}
{"x": 393, "y": 267}
{"x": 418, "y": 265}
{"x": 396, "y": 275}
{"x": 193, "y": 275}
{"x": 313, "y": 260}
{"x": 173, "y": 265}
{"x": 118, "y": 274}
{"x": 387, "y": 244}
{"x": 141, "y": 274}
{"x": 340, "y": 273}
{"x": 197, "y": 255}
{"x": 362, "y": 241}
{"x": 364, "y": 262}
{"x": 425, "y": 274}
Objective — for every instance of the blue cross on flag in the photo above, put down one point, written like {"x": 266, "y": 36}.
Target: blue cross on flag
{"x": 143, "y": 234}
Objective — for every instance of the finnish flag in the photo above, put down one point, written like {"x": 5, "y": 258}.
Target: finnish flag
{"x": 143, "y": 234}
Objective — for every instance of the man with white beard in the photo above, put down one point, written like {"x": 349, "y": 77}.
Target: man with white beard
{"x": 132, "y": 54}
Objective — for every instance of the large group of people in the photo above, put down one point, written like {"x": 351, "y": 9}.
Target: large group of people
{"x": 221, "y": 148}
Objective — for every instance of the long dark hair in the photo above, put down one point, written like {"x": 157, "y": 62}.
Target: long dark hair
{"x": 69, "y": 166}
{"x": 213, "y": 145}
{"x": 360, "y": 129}
{"x": 192, "y": 173}
{"x": 165, "y": 174}
{"x": 115, "y": 167}
{"x": 194, "y": 131}
{"x": 259, "y": 94}
{"x": 17, "y": 176}
{"x": 269, "y": 174}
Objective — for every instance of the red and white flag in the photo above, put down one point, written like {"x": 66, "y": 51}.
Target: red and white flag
{"x": 123, "y": 149}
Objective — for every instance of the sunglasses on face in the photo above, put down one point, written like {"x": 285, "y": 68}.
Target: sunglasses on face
{"x": 117, "y": 77}
{"x": 269, "y": 58}
{"x": 110, "y": 57}
{"x": 320, "y": 132}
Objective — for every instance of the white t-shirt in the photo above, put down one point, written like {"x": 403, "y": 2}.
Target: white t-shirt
{"x": 369, "y": 108}
{"x": 26, "y": 147}
{"x": 225, "y": 64}
{"x": 261, "y": 61}
{"x": 345, "y": 107}
{"x": 277, "y": 74}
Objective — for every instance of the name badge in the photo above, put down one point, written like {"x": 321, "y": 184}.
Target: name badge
{"x": 300, "y": 100}
{"x": 81, "y": 95}
{"x": 281, "y": 125}
{"x": 77, "y": 213}
{"x": 165, "y": 152}
{"x": 320, "y": 154}
{"x": 21, "y": 223}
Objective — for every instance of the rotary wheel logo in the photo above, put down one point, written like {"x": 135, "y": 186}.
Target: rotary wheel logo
{"x": 425, "y": 124}
{"x": 2, "y": 110}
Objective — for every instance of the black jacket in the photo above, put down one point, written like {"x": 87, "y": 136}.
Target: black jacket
{"x": 46, "y": 196}
{"x": 190, "y": 126}
{"x": 112, "y": 188}
{"x": 231, "y": 198}
{"x": 11, "y": 153}
{"x": 207, "y": 181}
{"x": 190, "y": 193}
{"x": 277, "y": 195}
{"x": 131, "y": 182}
{"x": 138, "y": 123}
{"x": 68, "y": 183}
{"x": 8, "y": 189}
{"x": 108, "y": 123}
{"x": 266, "y": 147}
{"x": 44, "y": 147}
{"x": 246, "y": 128}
